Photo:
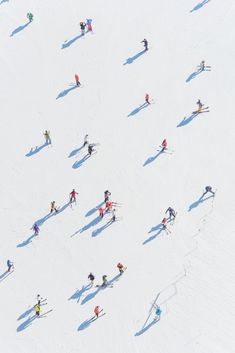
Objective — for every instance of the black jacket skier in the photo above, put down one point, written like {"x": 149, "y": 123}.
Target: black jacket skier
{"x": 145, "y": 43}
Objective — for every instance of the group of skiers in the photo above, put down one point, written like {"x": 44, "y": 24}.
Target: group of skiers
{"x": 109, "y": 206}
{"x": 91, "y": 277}
{"x": 87, "y": 24}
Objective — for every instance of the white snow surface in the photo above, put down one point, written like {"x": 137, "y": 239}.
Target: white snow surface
{"x": 189, "y": 271}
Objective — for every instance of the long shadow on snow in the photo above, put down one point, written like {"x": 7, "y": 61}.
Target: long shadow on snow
{"x": 133, "y": 58}
{"x": 35, "y": 150}
{"x": 78, "y": 164}
{"x": 93, "y": 210}
{"x": 198, "y": 202}
{"x": 200, "y": 5}
{"x": 90, "y": 296}
{"x": 193, "y": 75}
{"x": 158, "y": 228}
{"x": 74, "y": 152}
{"x": 4, "y": 275}
{"x": 26, "y": 242}
{"x": 99, "y": 230}
{"x": 79, "y": 292}
{"x": 26, "y": 323}
{"x": 19, "y": 29}
{"x": 143, "y": 330}
{"x": 40, "y": 221}
{"x": 66, "y": 91}
{"x": 186, "y": 120}
{"x": 26, "y": 313}
{"x": 91, "y": 224}
{"x": 85, "y": 324}
{"x": 151, "y": 159}
{"x": 138, "y": 109}
{"x": 71, "y": 41}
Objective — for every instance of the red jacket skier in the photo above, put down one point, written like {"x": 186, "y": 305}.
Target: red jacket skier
{"x": 77, "y": 79}
{"x": 101, "y": 212}
{"x": 73, "y": 195}
{"x": 97, "y": 311}
{"x": 147, "y": 98}
{"x": 164, "y": 144}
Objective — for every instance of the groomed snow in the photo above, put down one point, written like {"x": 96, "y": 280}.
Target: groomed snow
{"x": 189, "y": 271}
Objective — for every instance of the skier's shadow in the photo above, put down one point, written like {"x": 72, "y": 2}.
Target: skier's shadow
{"x": 78, "y": 164}
{"x": 99, "y": 230}
{"x": 138, "y": 109}
{"x": 85, "y": 324}
{"x": 193, "y": 75}
{"x": 74, "y": 152}
{"x": 66, "y": 91}
{"x": 19, "y": 29}
{"x": 93, "y": 210}
{"x": 91, "y": 224}
{"x": 40, "y": 221}
{"x": 151, "y": 159}
{"x": 92, "y": 295}
{"x": 26, "y": 323}
{"x": 35, "y": 150}
{"x": 133, "y": 58}
{"x": 26, "y": 313}
{"x": 114, "y": 279}
{"x": 186, "y": 120}
{"x": 157, "y": 228}
{"x": 198, "y": 202}
{"x": 4, "y": 275}
{"x": 200, "y": 5}
{"x": 67, "y": 44}
{"x": 144, "y": 329}
{"x": 26, "y": 242}
{"x": 3, "y": 1}
{"x": 78, "y": 294}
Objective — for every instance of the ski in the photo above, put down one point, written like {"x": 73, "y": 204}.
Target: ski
{"x": 98, "y": 317}
{"x": 95, "y": 315}
{"x": 44, "y": 314}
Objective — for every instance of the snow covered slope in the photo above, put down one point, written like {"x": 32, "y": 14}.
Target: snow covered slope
{"x": 189, "y": 272}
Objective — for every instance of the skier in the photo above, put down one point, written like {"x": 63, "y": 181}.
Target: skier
{"x": 121, "y": 268}
{"x": 73, "y": 196}
{"x": 10, "y": 265}
{"x": 39, "y": 298}
{"x": 164, "y": 145}
{"x": 147, "y": 98}
{"x": 97, "y": 311}
{"x": 172, "y": 212}
{"x": 164, "y": 227}
{"x": 158, "y": 313}
{"x": 82, "y": 26}
{"x": 36, "y": 229}
{"x": 85, "y": 140}
{"x": 208, "y": 189}
{"x": 90, "y": 149}
{"x": 89, "y": 26}
{"x": 106, "y": 195}
{"x": 47, "y": 137}
{"x": 114, "y": 215}
{"x": 202, "y": 65}
{"x": 200, "y": 105}
{"x": 145, "y": 44}
{"x": 101, "y": 212}
{"x": 105, "y": 281}
{"x": 91, "y": 277}
{"x": 30, "y": 16}
{"x": 77, "y": 80}
{"x": 109, "y": 206}
{"x": 37, "y": 309}
{"x": 53, "y": 207}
